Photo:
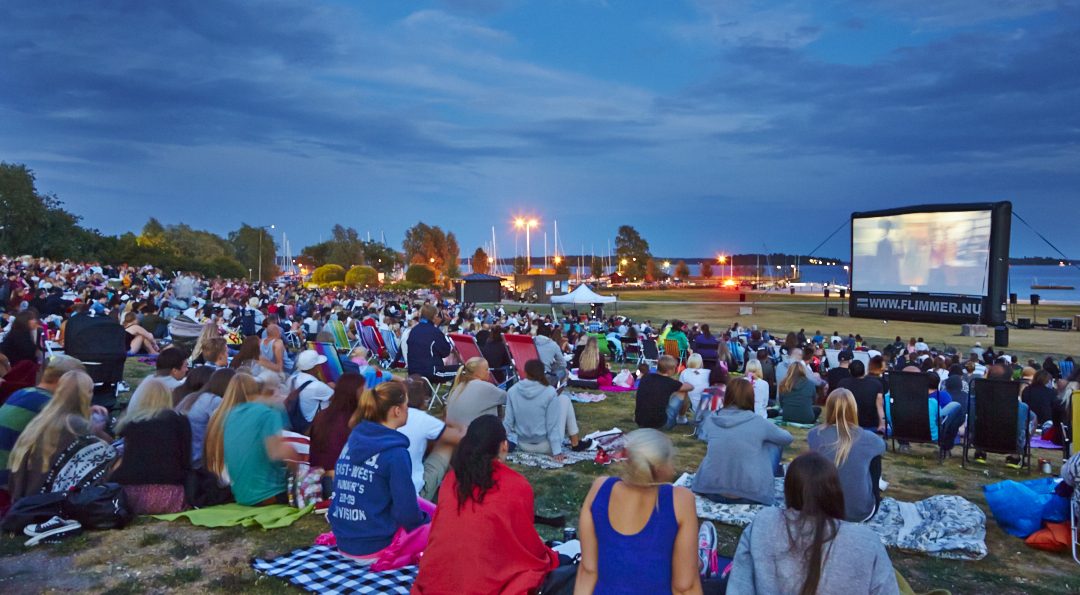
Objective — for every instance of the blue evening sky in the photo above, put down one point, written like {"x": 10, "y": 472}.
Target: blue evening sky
{"x": 711, "y": 126}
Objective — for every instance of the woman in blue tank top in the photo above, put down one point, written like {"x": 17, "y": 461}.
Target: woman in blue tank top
{"x": 639, "y": 533}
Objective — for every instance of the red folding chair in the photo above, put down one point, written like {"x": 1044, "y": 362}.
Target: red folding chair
{"x": 466, "y": 348}
{"x": 522, "y": 348}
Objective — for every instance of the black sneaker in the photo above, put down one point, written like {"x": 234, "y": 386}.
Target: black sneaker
{"x": 582, "y": 446}
{"x": 53, "y": 529}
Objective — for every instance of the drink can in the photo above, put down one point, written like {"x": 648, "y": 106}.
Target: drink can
{"x": 569, "y": 534}
{"x": 1044, "y": 465}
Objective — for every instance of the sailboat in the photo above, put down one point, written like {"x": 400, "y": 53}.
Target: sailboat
{"x": 1036, "y": 285}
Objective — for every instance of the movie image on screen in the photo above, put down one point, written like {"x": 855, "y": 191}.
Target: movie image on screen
{"x": 934, "y": 252}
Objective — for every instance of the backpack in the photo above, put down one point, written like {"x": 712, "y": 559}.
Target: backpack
{"x": 247, "y": 322}
{"x": 292, "y": 408}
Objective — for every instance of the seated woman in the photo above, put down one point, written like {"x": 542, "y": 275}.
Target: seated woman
{"x": 376, "y": 516}
{"x": 242, "y": 388}
{"x": 592, "y": 365}
{"x": 194, "y": 383}
{"x": 330, "y": 429}
{"x": 254, "y": 448}
{"x": 139, "y": 340}
{"x": 60, "y": 434}
{"x": 473, "y": 394}
{"x": 21, "y": 341}
{"x": 809, "y": 548}
{"x": 639, "y": 533}
{"x": 538, "y": 417}
{"x": 796, "y": 395}
{"x": 21, "y": 375}
{"x": 697, "y": 377}
{"x": 248, "y": 354}
{"x": 855, "y": 451}
{"x": 157, "y": 453}
{"x": 494, "y": 351}
{"x": 744, "y": 451}
{"x": 756, "y": 375}
{"x": 200, "y": 407}
{"x": 493, "y": 504}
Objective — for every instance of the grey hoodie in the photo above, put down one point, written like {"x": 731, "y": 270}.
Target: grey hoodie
{"x": 738, "y": 462}
{"x": 531, "y": 415}
{"x": 552, "y": 357}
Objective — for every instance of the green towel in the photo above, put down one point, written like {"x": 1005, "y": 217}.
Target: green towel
{"x": 780, "y": 422}
{"x": 230, "y": 515}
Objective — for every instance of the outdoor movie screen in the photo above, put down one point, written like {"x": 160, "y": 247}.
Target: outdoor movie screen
{"x": 943, "y": 252}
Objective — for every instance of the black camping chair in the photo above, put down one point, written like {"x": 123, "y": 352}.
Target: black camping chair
{"x": 909, "y": 412}
{"x": 991, "y": 418}
{"x": 650, "y": 352}
{"x": 99, "y": 343}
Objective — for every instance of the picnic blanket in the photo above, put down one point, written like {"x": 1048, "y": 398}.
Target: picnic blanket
{"x": 231, "y": 515}
{"x": 585, "y": 397}
{"x": 939, "y": 526}
{"x": 780, "y": 422}
{"x": 612, "y": 441}
{"x": 322, "y": 569}
{"x": 1038, "y": 442}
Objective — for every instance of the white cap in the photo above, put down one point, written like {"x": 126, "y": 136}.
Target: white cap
{"x": 308, "y": 359}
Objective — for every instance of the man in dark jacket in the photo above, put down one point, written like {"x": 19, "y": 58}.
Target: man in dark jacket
{"x": 428, "y": 346}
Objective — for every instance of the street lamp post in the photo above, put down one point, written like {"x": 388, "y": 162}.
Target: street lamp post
{"x": 528, "y": 224}
{"x": 262, "y": 232}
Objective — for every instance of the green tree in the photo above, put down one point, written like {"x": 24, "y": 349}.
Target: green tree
{"x": 420, "y": 274}
{"x": 37, "y": 224}
{"x": 362, "y": 276}
{"x": 520, "y": 266}
{"x": 480, "y": 262}
{"x": 380, "y": 256}
{"x": 630, "y": 246}
{"x": 596, "y": 267}
{"x": 153, "y": 234}
{"x": 246, "y": 242}
{"x": 430, "y": 245}
{"x": 706, "y": 269}
{"x": 681, "y": 270}
{"x": 328, "y": 273}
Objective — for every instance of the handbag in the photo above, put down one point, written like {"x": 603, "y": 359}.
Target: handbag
{"x": 101, "y": 506}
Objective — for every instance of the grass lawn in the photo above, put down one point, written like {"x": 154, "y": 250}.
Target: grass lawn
{"x": 156, "y": 557}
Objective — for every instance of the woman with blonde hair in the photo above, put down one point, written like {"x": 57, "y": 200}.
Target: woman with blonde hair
{"x": 209, "y": 331}
{"x": 242, "y": 388}
{"x": 796, "y": 395}
{"x": 252, "y": 445}
{"x": 638, "y": 532}
{"x": 157, "y": 453}
{"x": 755, "y": 374}
{"x": 591, "y": 363}
{"x": 61, "y": 433}
{"x": 473, "y": 394}
{"x": 855, "y": 451}
{"x": 376, "y": 517}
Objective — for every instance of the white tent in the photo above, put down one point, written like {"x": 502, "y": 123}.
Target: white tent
{"x": 582, "y": 295}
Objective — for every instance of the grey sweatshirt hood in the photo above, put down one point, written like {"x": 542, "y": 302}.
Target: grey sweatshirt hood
{"x": 729, "y": 417}
{"x": 531, "y": 389}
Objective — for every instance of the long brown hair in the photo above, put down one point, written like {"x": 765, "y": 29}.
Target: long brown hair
{"x": 589, "y": 359}
{"x": 242, "y": 388}
{"x": 795, "y": 374}
{"x": 812, "y": 488}
{"x": 343, "y": 404}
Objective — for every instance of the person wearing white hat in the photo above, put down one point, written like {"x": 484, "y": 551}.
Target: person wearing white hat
{"x": 314, "y": 393}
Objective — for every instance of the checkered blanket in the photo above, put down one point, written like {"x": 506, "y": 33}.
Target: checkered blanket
{"x": 321, "y": 569}
{"x": 611, "y": 440}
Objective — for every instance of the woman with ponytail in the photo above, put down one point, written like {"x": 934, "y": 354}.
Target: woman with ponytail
{"x": 376, "y": 517}
{"x": 855, "y": 451}
{"x": 638, "y": 532}
{"x": 473, "y": 394}
{"x": 808, "y": 548}
{"x": 492, "y": 504}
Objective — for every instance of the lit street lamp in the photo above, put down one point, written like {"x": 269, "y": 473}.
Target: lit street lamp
{"x": 527, "y": 224}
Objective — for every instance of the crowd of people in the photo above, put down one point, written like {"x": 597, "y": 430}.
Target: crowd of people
{"x": 221, "y": 421}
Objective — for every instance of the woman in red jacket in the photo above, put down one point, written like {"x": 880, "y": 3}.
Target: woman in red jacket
{"x": 483, "y": 539}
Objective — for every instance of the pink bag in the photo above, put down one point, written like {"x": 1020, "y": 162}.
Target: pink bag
{"x": 406, "y": 548}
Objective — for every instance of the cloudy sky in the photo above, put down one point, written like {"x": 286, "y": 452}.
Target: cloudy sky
{"x": 710, "y": 125}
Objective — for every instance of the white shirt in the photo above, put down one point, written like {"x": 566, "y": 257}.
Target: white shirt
{"x": 697, "y": 378}
{"x": 761, "y": 397}
{"x": 420, "y": 428}
{"x": 315, "y": 396}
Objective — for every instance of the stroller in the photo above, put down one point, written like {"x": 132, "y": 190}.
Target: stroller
{"x": 99, "y": 343}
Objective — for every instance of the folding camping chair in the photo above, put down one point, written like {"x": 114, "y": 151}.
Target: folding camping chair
{"x": 372, "y": 341}
{"x": 341, "y": 336}
{"x": 393, "y": 348}
{"x": 631, "y": 349}
{"x": 522, "y": 348}
{"x": 671, "y": 347}
{"x": 650, "y": 352}
{"x": 466, "y": 348}
{"x": 908, "y": 410}
{"x": 992, "y": 418}
{"x": 99, "y": 343}
{"x": 332, "y": 370}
